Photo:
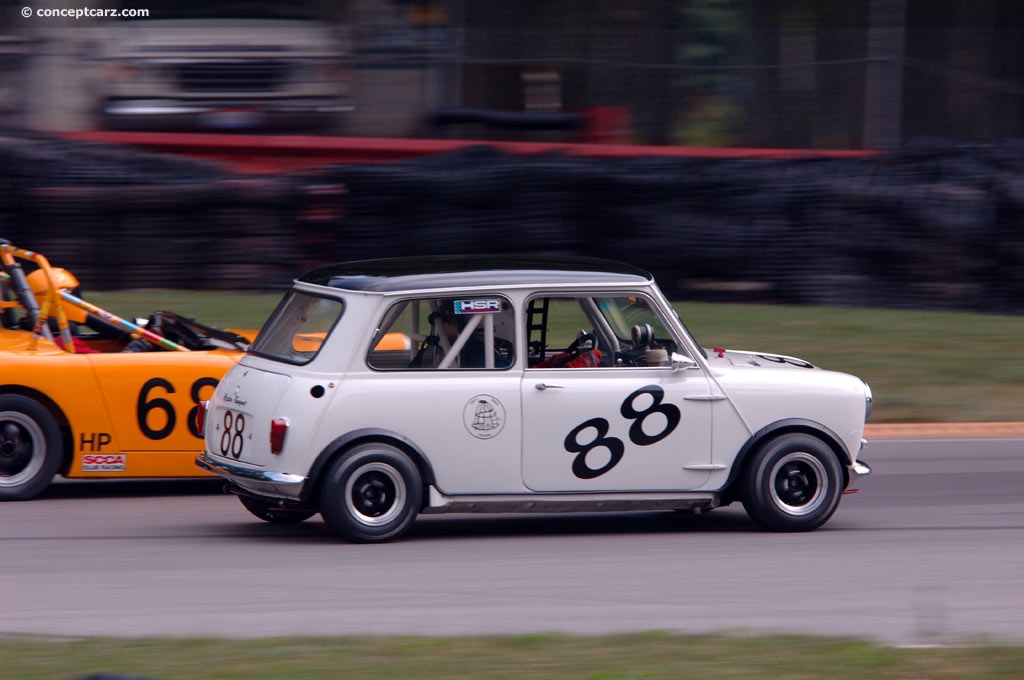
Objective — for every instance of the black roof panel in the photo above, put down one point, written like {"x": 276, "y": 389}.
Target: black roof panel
{"x": 457, "y": 271}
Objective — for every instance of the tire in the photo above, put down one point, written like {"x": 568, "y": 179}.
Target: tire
{"x": 793, "y": 483}
{"x": 30, "y": 448}
{"x": 273, "y": 512}
{"x": 371, "y": 494}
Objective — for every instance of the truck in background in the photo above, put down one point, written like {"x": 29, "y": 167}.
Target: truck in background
{"x": 223, "y": 65}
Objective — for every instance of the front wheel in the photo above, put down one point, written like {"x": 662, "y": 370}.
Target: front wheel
{"x": 30, "y": 448}
{"x": 793, "y": 483}
{"x": 371, "y": 494}
{"x": 274, "y": 513}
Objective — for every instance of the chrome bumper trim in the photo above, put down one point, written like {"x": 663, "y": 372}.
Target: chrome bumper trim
{"x": 254, "y": 479}
{"x": 858, "y": 470}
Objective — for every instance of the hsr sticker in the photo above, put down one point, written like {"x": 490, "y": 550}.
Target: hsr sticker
{"x": 477, "y": 306}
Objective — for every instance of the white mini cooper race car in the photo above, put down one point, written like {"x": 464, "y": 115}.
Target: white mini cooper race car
{"x": 382, "y": 389}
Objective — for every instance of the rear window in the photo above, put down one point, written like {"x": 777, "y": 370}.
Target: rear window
{"x": 296, "y": 330}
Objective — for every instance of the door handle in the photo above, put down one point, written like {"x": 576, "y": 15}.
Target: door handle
{"x": 545, "y": 386}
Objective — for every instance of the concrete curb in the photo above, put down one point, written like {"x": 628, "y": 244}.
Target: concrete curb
{"x": 943, "y": 430}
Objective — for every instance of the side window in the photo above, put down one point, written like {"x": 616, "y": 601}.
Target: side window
{"x": 596, "y": 332}
{"x": 475, "y": 332}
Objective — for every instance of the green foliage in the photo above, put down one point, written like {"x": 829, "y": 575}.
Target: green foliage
{"x": 922, "y": 366}
{"x": 227, "y": 310}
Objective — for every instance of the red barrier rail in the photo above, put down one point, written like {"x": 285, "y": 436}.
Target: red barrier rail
{"x": 284, "y": 153}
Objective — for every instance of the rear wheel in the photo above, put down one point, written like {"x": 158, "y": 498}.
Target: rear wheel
{"x": 30, "y": 448}
{"x": 371, "y": 494}
{"x": 273, "y": 512}
{"x": 793, "y": 483}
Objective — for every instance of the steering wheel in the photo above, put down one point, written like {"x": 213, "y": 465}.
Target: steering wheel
{"x": 580, "y": 345}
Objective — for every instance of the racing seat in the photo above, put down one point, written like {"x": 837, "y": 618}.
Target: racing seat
{"x": 429, "y": 354}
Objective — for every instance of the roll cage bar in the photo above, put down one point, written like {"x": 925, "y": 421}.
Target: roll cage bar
{"x": 15, "y": 293}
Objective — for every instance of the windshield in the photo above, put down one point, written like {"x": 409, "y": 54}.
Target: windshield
{"x": 297, "y": 329}
{"x": 623, "y": 314}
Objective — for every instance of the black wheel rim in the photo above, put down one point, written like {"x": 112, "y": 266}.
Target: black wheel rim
{"x": 375, "y": 494}
{"x": 22, "y": 448}
{"x": 799, "y": 483}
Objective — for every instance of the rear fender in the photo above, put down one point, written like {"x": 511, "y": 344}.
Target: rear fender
{"x": 343, "y": 443}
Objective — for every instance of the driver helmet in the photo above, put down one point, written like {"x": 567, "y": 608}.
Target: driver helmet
{"x": 64, "y": 280}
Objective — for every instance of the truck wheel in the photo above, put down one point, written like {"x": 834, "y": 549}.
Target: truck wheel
{"x": 371, "y": 494}
{"x": 30, "y": 448}
{"x": 793, "y": 483}
{"x": 274, "y": 513}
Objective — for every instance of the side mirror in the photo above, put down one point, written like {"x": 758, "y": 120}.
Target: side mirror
{"x": 681, "y": 362}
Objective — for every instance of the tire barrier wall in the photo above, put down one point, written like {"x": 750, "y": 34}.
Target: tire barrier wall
{"x": 936, "y": 225}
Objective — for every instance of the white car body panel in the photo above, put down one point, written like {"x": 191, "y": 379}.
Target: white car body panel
{"x": 521, "y": 437}
{"x": 441, "y": 422}
{"x": 569, "y": 400}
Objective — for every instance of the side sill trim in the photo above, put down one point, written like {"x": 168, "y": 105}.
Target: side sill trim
{"x": 570, "y": 502}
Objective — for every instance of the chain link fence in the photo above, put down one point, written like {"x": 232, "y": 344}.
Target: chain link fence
{"x": 873, "y": 75}
{"x": 863, "y": 74}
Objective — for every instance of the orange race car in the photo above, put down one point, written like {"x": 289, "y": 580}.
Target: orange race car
{"x": 85, "y": 393}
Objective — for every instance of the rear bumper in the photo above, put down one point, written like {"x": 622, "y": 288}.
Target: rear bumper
{"x": 254, "y": 480}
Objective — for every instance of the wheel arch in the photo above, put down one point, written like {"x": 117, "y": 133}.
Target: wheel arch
{"x": 346, "y": 442}
{"x": 777, "y": 429}
{"x": 66, "y": 440}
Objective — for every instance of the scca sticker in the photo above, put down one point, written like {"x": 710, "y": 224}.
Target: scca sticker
{"x": 104, "y": 462}
{"x": 477, "y": 306}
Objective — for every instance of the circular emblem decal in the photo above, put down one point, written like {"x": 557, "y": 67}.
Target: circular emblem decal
{"x": 484, "y": 416}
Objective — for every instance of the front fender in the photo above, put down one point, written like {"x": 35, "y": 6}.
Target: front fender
{"x": 768, "y": 432}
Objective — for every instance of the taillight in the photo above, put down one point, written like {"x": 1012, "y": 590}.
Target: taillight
{"x": 202, "y": 408}
{"x": 278, "y": 429}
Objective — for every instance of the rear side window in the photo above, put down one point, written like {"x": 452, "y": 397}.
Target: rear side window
{"x": 475, "y": 332}
{"x": 298, "y": 327}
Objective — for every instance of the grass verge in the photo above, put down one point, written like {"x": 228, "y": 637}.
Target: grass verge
{"x": 650, "y": 655}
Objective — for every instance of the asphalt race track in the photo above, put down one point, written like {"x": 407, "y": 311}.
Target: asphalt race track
{"x": 931, "y": 551}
